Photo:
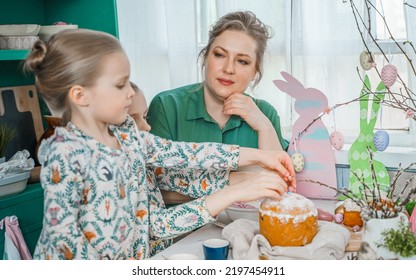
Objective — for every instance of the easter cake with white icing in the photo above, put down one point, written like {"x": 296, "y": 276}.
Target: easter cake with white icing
{"x": 352, "y": 214}
{"x": 291, "y": 221}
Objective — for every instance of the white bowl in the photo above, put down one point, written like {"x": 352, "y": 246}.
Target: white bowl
{"x": 13, "y": 183}
{"x": 246, "y": 210}
{"x": 17, "y": 42}
{"x": 46, "y": 31}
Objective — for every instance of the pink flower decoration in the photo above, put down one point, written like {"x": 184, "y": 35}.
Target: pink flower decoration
{"x": 327, "y": 110}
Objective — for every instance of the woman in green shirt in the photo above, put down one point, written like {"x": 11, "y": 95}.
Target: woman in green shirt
{"x": 218, "y": 110}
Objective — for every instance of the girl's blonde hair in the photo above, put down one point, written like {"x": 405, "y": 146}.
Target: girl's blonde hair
{"x": 69, "y": 58}
{"x": 248, "y": 23}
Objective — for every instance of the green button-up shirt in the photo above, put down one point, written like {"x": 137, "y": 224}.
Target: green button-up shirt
{"x": 180, "y": 115}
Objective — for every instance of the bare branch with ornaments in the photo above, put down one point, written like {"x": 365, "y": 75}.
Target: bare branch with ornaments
{"x": 388, "y": 74}
{"x": 404, "y": 100}
{"x": 373, "y": 200}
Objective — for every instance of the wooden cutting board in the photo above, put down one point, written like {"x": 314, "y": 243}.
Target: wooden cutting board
{"x": 355, "y": 241}
{"x": 19, "y": 108}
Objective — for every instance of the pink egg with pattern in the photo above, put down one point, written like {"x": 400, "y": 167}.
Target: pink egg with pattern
{"x": 389, "y": 75}
{"x": 337, "y": 140}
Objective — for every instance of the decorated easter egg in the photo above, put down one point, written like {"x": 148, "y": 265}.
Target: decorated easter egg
{"x": 356, "y": 228}
{"x": 366, "y": 60}
{"x": 381, "y": 140}
{"x": 324, "y": 215}
{"x": 298, "y": 162}
{"x": 339, "y": 218}
{"x": 337, "y": 140}
{"x": 389, "y": 75}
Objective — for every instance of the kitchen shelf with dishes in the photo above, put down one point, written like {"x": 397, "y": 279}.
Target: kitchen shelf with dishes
{"x": 16, "y": 40}
{"x": 25, "y": 18}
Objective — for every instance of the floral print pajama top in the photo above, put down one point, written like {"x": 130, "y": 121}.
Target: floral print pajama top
{"x": 100, "y": 203}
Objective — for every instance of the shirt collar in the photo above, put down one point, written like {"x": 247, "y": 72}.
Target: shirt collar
{"x": 196, "y": 108}
{"x": 196, "y": 105}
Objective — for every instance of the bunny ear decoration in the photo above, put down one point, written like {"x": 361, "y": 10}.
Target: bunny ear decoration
{"x": 291, "y": 86}
{"x": 311, "y": 152}
{"x": 358, "y": 155}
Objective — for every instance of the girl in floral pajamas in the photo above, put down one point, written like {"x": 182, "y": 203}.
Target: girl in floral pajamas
{"x": 195, "y": 183}
{"x": 93, "y": 174}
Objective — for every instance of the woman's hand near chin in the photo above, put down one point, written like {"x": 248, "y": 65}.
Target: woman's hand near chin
{"x": 245, "y": 107}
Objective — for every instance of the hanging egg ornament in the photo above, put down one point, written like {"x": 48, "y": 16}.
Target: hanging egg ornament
{"x": 389, "y": 75}
{"x": 298, "y": 162}
{"x": 337, "y": 140}
{"x": 381, "y": 140}
{"x": 366, "y": 60}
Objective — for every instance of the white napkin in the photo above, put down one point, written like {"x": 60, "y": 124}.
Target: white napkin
{"x": 247, "y": 244}
{"x": 18, "y": 163}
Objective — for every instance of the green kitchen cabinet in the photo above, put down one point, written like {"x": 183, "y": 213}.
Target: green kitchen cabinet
{"x": 28, "y": 207}
{"x": 91, "y": 14}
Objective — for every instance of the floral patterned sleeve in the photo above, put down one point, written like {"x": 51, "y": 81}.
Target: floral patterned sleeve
{"x": 63, "y": 163}
{"x": 165, "y": 153}
{"x": 174, "y": 221}
{"x": 194, "y": 169}
{"x": 191, "y": 182}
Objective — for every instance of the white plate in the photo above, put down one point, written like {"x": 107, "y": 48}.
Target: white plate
{"x": 46, "y": 31}
{"x": 19, "y": 29}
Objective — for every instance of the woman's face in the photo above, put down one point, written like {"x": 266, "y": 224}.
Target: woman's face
{"x": 138, "y": 111}
{"x": 230, "y": 64}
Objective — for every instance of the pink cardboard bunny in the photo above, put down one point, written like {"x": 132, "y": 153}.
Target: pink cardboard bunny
{"x": 314, "y": 143}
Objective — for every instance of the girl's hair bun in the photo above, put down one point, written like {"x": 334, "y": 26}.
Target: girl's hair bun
{"x": 33, "y": 62}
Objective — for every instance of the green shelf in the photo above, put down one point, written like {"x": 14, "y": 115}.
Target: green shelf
{"x": 28, "y": 208}
{"x": 13, "y": 54}
{"x": 91, "y": 14}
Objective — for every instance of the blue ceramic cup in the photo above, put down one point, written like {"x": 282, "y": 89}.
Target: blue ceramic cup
{"x": 216, "y": 249}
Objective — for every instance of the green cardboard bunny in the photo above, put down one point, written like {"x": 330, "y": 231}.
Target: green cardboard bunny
{"x": 358, "y": 155}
